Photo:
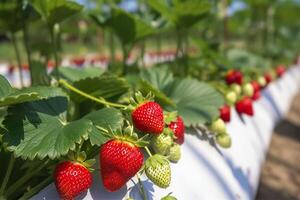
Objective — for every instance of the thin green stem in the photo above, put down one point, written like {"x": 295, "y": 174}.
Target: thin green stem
{"x": 148, "y": 151}
{"x": 142, "y": 189}
{"x": 101, "y": 101}
{"x": 8, "y": 173}
{"x": 54, "y": 48}
{"x": 143, "y": 49}
{"x": 179, "y": 44}
{"x": 125, "y": 56}
{"x": 27, "y": 48}
{"x": 36, "y": 189}
{"x": 29, "y": 174}
{"x": 112, "y": 47}
{"x": 14, "y": 41}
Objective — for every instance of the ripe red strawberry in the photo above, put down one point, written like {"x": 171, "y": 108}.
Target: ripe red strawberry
{"x": 256, "y": 95}
{"x": 234, "y": 76}
{"x": 120, "y": 161}
{"x": 71, "y": 179}
{"x": 178, "y": 128}
{"x": 238, "y": 77}
{"x": 280, "y": 70}
{"x": 268, "y": 77}
{"x": 245, "y": 106}
{"x": 230, "y": 77}
{"x": 225, "y": 113}
{"x": 148, "y": 118}
{"x": 255, "y": 86}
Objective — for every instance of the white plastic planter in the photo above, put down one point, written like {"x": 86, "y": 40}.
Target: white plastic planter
{"x": 208, "y": 172}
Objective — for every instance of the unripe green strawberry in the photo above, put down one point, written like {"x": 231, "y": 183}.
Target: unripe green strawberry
{"x": 236, "y": 88}
{"x": 175, "y": 153}
{"x": 231, "y": 97}
{"x": 158, "y": 170}
{"x": 261, "y": 81}
{"x": 218, "y": 126}
{"x": 248, "y": 89}
{"x": 224, "y": 140}
{"x": 162, "y": 143}
{"x": 168, "y": 197}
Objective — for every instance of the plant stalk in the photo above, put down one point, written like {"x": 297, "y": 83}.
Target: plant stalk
{"x": 54, "y": 48}
{"x": 142, "y": 189}
{"x": 24, "y": 179}
{"x": 148, "y": 151}
{"x": 27, "y": 48}
{"x": 101, "y": 101}
{"x": 8, "y": 173}
{"x": 125, "y": 56}
{"x": 17, "y": 52}
{"x": 36, "y": 189}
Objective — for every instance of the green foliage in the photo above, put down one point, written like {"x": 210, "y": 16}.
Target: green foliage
{"x": 55, "y": 11}
{"x": 127, "y": 27}
{"x": 195, "y": 101}
{"x": 75, "y": 74}
{"x": 107, "y": 118}
{"x": 105, "y": 86}
{"x": 39, "y": 128}
{"x": 182, "y": 14}
{"x": 10, "y": 96}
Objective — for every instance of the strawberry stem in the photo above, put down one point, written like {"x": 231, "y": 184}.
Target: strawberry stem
{"x": 98, "y": 100}
{"x": 8, "y": 173}
{"x": 36, "y": 189}
{"x": 29, "y": 173}
{"x": 142, "y": 189}
{"x": 148, "y": 151}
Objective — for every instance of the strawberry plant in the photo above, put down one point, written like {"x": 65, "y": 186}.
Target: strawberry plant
{"x": 130, "y": 115}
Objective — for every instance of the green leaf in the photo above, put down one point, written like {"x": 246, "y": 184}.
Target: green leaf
{"x": 75, "y": 74}
{"x": 159, "y": 77}
{"x": 127, "y": 27}
{"x": 56, "y": 11}
{"x": 39, "y": 74}
{"x": 106, "y": 118}
{"x": 10, "y": 96}
{"x": 13, "y": 14}
{"x": 5, "y": 87}
{"x": 196, "y": 102}
{"x": 39, "y": 129}
{"x": 105, "y": 86}
{"x": 188, "y": 13}
{"x": 182, "y": 14}
{"x": 160, "y": 97}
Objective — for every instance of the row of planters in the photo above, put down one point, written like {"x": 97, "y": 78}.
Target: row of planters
{"x": 132, "y": 118}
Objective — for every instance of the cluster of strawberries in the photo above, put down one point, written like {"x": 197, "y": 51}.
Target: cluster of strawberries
{"x": 121, "y": 157}
{"x": 243, "y": 94}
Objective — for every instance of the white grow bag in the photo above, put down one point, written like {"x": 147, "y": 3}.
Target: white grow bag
{"x": 210, "y": 173}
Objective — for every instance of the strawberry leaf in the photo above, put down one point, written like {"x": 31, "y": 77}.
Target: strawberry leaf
{"x": 56, "y": 11}
{"x": 105, "y": 86}
{"x": 10, "y": 96}
{"x": 39, "y": 129}
{"x": 106, "y": 118}
{"x": 196, "y": 102}
{"x": 76, "y": 74}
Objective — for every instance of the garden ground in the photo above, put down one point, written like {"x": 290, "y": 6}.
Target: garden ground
{"x": 280, "y": 178}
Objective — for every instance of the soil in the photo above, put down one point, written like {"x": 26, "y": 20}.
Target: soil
{"x": 280, "y": 178}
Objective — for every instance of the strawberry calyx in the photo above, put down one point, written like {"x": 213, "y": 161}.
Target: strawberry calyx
{"x": 80, "y": 158}
{"x": 170, "y": 117}
{"x": 155, "y": 161}
{"x": 138, "y": 100}
{"x": 126, "y": 135}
